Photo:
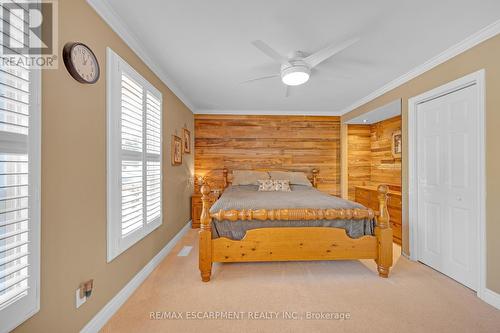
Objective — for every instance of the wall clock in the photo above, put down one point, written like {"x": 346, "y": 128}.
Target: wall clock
{"x": 81, "y": 62}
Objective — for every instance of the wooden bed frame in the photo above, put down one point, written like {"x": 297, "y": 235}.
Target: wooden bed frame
{"x": 295, "y": 243}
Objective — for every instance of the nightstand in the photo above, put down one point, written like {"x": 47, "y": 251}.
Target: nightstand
{"x": 197, "y": 206}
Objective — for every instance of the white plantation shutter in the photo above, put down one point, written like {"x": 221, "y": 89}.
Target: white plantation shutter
{"x": 134, "y": 156}
{"x": 153, "y": 158}
{"x": 132, "y": 142}
{"x": 19, "y": 180}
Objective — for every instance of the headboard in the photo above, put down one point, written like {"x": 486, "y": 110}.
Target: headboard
{"x": 228, "y": 176}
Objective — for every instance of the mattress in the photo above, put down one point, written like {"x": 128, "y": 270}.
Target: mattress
{"x": 248, "y": 197}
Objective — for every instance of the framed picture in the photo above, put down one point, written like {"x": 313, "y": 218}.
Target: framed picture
{"x": 186, "y": 141}
{"x": 397, "y": 144}
{"x": 176, "y": 150}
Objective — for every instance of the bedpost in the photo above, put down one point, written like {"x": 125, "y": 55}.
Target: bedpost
{"x": 315, "y": 173}
{"x": 383, "y": 232}
{"x": 205, "y": 254}
{"x": 224, "y": 174}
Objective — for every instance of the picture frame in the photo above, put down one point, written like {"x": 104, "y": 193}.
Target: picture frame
{"x": 186, "y": 141}
{"x": 176, "y": 150}
{"x": 397, "y": 144}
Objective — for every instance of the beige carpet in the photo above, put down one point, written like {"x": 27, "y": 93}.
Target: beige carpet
{"x": 415, "y": 298}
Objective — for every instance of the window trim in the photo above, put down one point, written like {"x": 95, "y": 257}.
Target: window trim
{"x": 17, "y": 313}
{"x": 115, "y": 243}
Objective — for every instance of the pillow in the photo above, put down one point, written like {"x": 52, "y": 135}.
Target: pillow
{"x": 248, "y": 177}
{"x": 295, "y": 178}
{"x": 266, "y": 185}
{"x": 269, "y": 185}
{"x": 282, "y": 185}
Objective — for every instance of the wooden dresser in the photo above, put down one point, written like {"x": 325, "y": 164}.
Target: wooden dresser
{"x": 196, "y": 207}
{"x": 368, "y": 196}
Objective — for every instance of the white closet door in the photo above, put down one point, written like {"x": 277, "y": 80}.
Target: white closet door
{"x": 447, "y": 191}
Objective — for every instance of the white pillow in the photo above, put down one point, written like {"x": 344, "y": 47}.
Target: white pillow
{"x": 248, "y": 177}
{"x": 295, "y": 178}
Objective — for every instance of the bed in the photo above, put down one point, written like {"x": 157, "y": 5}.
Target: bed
{"x": 246, "y": 225}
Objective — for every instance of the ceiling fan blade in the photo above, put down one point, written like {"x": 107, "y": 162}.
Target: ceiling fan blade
{"x": 269, "y": 51}
{"x": 320, "y": 56}
{"x": 261, "y": 78}
{"x": 287, "y": 91}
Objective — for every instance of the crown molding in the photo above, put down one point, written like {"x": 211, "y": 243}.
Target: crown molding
{"x": 267, "y": 112}
{"x": 468, "y": 43}
{"x": 107, "y": 13}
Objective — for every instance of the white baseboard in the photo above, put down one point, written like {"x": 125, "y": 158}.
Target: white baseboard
{"x": 490, "y": 297}
{"x": 102, "y": 317}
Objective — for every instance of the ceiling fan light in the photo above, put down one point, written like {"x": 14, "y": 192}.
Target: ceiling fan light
{"x": 295, "y": 76}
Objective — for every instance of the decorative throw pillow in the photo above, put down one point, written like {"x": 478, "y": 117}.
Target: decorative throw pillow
{"x": 266, "y": 185}
{"x": 282, "y": 185}
{"x": 248, "y": 177}
{"x": 295, "y": 178}
{"x": 269, "y": 185}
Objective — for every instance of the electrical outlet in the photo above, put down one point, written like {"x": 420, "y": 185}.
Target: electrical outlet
{"x": 79, "y": 301}
{"x": 86, "y": 288}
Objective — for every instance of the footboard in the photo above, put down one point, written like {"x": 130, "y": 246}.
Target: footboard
{"x": 288, "y": 244}
{"x": 295, "y": 243}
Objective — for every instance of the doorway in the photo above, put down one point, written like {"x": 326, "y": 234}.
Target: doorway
{"x": 374, "y": 156}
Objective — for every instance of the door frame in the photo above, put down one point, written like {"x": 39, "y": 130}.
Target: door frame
{"x": 478, "y": 79}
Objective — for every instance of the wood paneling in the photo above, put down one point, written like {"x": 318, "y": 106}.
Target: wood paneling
{"x": 298, "y": 143}
{"x": 384, "y": 167}
{"x": 370, "y": 161}
{"x": 359, "y": 156}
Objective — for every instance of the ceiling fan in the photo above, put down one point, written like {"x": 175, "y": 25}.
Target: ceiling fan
{"x": 296, "y": 69}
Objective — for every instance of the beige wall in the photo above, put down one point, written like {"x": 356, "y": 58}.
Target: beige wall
{"x": 485, "y": 55}
{"x": 74, "y": 181}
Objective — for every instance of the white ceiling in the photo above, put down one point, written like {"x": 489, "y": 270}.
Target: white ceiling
{"x": 204, "y": 46}
{"x": 384, "y": 112}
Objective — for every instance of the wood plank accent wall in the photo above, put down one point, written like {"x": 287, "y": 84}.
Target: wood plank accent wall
{"x": 358, "y": 156}
{"x": 370, "y": 161}
{"x": 384, "y": 167}
{"x": 295, "y": 143}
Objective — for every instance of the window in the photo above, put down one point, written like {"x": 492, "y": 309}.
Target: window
{"x": 19, "y": 180}
{"x": 134, "y": 156}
